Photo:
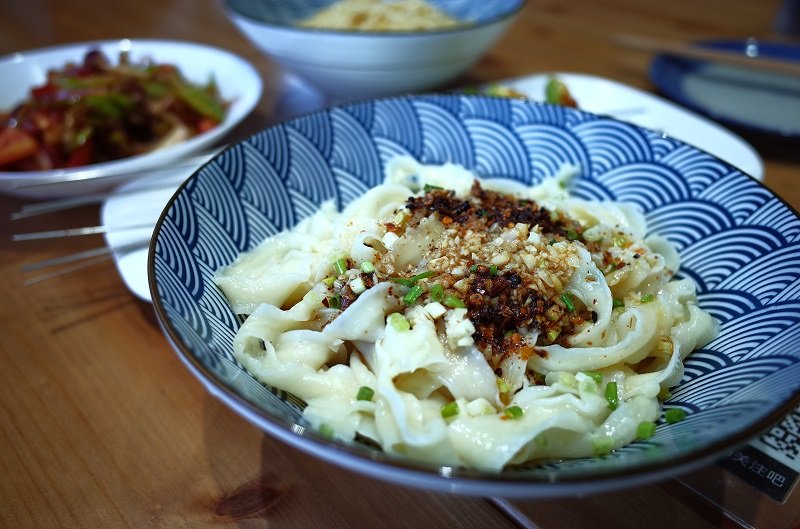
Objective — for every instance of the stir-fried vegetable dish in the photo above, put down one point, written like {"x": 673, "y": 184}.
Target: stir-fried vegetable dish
{"x": 97, "y": 111}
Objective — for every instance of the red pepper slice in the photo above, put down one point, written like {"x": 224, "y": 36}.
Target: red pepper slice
{"x": 81, "y": 156}
{"x": 16, "y": 145}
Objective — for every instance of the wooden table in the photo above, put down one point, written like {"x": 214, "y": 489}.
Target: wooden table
{"x": 102, "y": 426}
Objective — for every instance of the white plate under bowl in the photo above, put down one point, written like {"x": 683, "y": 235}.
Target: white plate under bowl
{"x": 594, "y": 94}
{"x": 238, "y": 82}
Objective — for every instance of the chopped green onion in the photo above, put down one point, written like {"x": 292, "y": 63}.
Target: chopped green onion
{"x": 602, "y": 446}
{"x": 645, "y": 430}
{"x": 553, "y": 334}
{"x": 413, "y": 295}
{"x": 566, "y": 378}
{"x": 594, "y": 375}
{"x": 421, "y": 275}
{"x": 325, "y": 430}
{"x": 357, "y": 285}
{"x": 454, "y": 302}
{"x": 365, "y": 393}
{"x": 513, "y": 412}
{"x": 502, "y": 385}
{"x": 617, "y": 303}
{"x": 340, "y": 266}
{"x": 493, "y": 270}
{"x": 328, "y": 281}
{"x": 611, "y": 395}
{"x": 367, "y": 267}
{"x": 335, "y": 302}
{"x": 566, "y": 297}
{"x": 674, "y": 415}
{"x": 403, "y": 281}
{"x": 430, "y": 187}
{"x": 473, "y": 268}
{"x": 647, "y": 298}
{"x": 411, "y": 281}
{"x": 437, "y": 292}
{"x": 572, "y": 235}
{"x": 399, "y": 322}
{"x": 450, "y": 409}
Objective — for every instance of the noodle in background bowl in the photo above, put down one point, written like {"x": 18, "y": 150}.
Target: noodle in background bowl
{"x": 351, "y": 65}
{"x": 738, "y": 242}
{"x": 238, "y": 83}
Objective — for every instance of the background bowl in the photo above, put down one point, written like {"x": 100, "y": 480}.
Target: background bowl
{"x": 350, "y": 65}
{"x": 738, "y": 242}
{"x": 238, "y": 82}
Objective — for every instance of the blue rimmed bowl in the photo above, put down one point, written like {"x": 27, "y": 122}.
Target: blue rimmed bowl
{"x": 351, "y": 65}
{"x": 739, "y": 243}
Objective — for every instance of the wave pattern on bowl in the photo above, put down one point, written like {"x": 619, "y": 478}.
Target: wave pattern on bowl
{"x": 738, "y": 242}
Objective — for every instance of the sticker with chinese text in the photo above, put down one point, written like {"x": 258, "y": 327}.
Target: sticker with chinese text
{"x": 770, "y": 463}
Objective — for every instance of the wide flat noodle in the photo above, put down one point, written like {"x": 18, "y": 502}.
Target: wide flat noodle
{"x": 332, "y": 312}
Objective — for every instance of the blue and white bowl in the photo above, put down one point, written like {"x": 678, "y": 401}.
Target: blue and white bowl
{"x": 739, "y": 243}
{"x": 352, "y": 65}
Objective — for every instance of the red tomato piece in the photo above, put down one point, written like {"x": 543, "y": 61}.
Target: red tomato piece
{"x": 16, "y": 145}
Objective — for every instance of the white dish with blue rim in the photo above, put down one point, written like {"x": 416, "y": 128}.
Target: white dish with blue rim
{"x": 748, "y": 99}
{"x": 739, "y": 243}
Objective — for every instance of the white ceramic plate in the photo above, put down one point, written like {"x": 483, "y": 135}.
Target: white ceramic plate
{"x": 607, "y": 97}
{"x": 594, "y": 94}
{"x": 238, "y": 82}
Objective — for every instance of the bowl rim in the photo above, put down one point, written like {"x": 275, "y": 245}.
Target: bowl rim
{"x": 455, "y": 480}
{"x": 404, "y": 34}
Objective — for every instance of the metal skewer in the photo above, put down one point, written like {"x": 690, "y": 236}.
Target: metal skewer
{"x": 76, "y": 232}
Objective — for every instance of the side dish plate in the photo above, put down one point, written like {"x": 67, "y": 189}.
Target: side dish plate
{"x": 238, "y": 82}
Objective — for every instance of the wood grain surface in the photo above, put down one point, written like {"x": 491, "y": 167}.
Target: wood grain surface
{"x": 102, "y": 426}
